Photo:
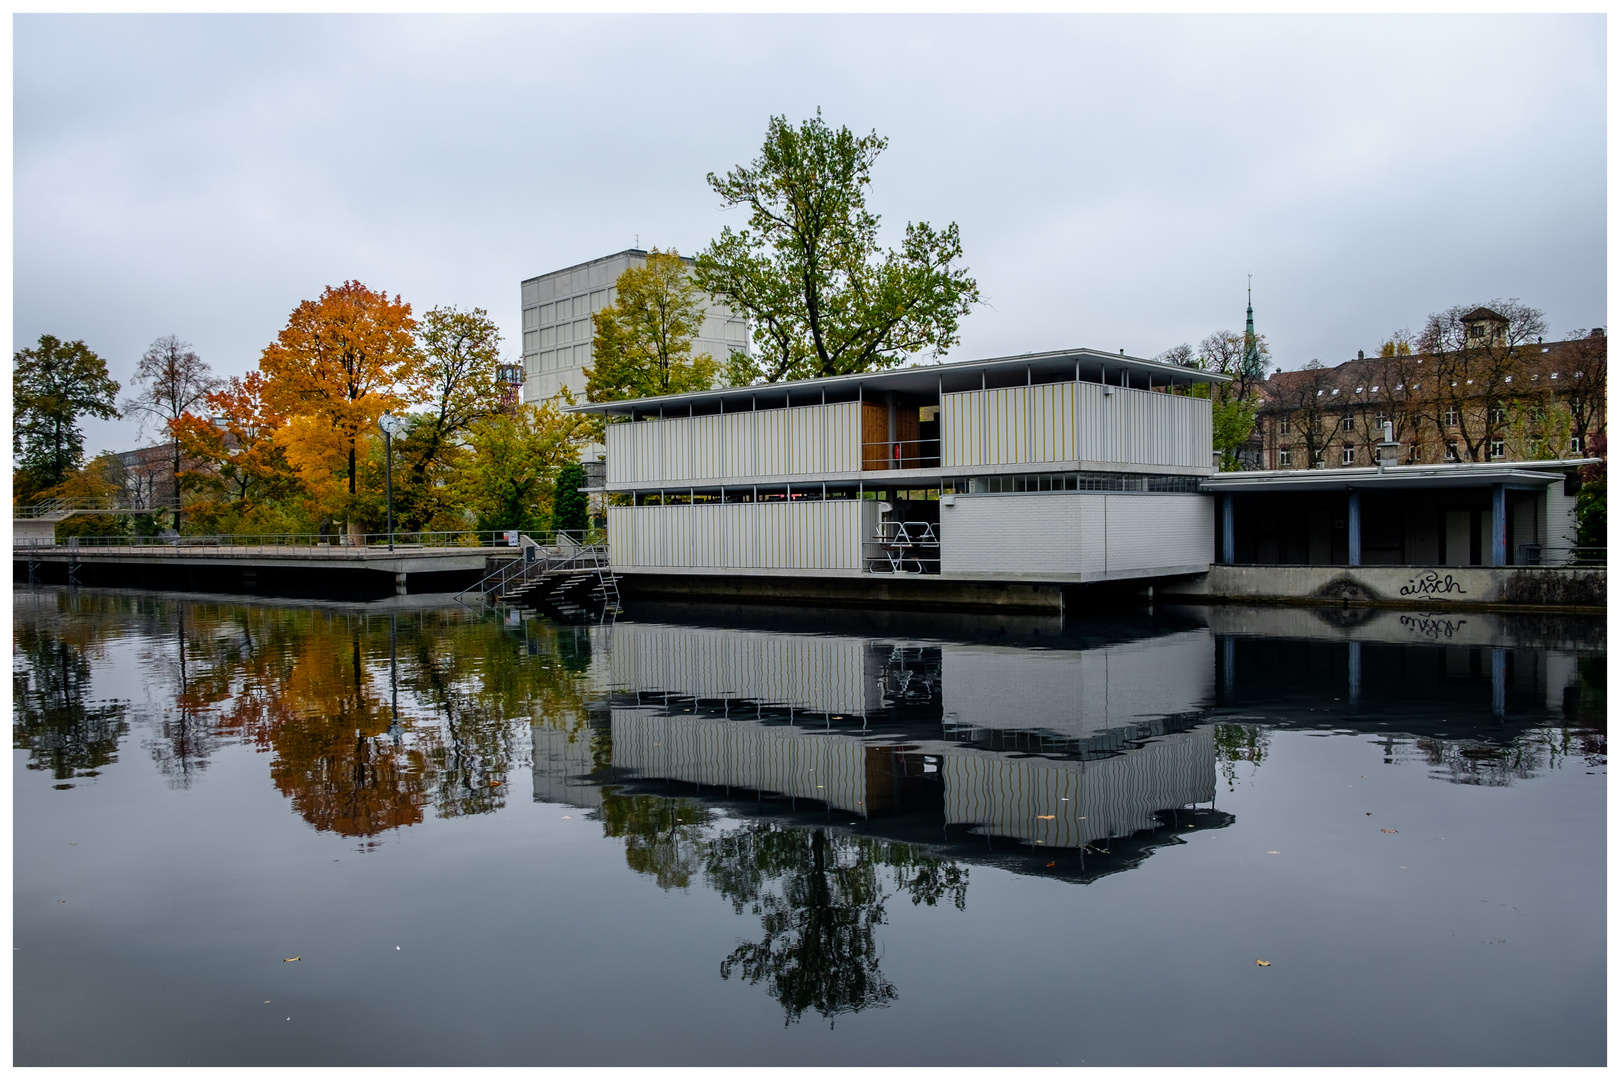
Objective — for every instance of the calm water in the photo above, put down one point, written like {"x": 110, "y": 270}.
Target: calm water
{"x": 745, "y": 838}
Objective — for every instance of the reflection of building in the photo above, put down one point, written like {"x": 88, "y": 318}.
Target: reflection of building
{"x": 1059, "y": 748}
{"x": 557, "y": 329}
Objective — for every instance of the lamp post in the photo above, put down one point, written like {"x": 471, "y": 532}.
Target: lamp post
{"x": 389, "y": 423}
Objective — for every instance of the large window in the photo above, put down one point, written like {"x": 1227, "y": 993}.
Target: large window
{"x": 1285, "y": 457}
{"x": 1347, "y": 456}
{"x": 1348, "y": 424}
{"x": 1498, "y": 450}
{"x": 1449, "y": 418}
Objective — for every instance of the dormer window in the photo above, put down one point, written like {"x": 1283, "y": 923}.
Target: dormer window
{"x": 1335, "y": 393}
{"x": 1554, "y": 375}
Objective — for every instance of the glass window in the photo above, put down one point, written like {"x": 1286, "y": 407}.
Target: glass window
{"x": 1349, "y": 423}
{"x": 1348, "y": 456}
{"x": 1574, "y": 444}
{"x": 1285, "y": 425}
{"x": 1285, "y": 457}
{"x": 1498, "y": 451}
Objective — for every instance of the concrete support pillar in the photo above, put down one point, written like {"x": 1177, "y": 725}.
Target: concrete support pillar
{"x": 399, "y": 584}
{"x": 1498, "y": 525}
{"x": 1355, "y": 674}
{"x": 1353, "y": 528}
{"x": 1228, "y": 532}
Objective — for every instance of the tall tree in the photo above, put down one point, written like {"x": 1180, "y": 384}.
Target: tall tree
{"x": 1476, "y": 350}
{"x": 460, "y": 352}
{"x": 173, "y": 381}
{"x": 53, "y": 385}
{"x": 340, "y": 363}
{"x": 516, "y": 459}
{"x": 1244, "y": 357}
{"x": 823, "y": 297}
{"x": 1587, "y": 392}
{"x": 569, "y": 512}
{"x": 643, "y": 344}
{"x": 241, "y": 461}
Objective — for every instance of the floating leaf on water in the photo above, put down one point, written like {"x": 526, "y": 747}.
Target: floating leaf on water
{"x": 1046, "y": 817}
{"x": 1051, "y": 864}
{"x": 1263, "y": 963}
{"x": 290, "y": 959}
{"x": 494, "y": 783}
{"x": 1389, "y": 830}
{"x": 1273, "y": 853}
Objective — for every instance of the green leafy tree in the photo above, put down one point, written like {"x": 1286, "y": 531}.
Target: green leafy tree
{"x": 823, "y": 297}
{"x": 516, "y": 457}
{"x": 53, "y": 385}
{"x": 568, "y": 509}
{"x": 643, "y": 340}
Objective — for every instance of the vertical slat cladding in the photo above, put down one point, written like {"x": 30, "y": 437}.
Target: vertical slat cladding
{"x": 742, "y": 753}
{"x": 844, "y": 437}
{"x": 1111, "y": 797}
{"x": 767, "y": 536}
{"x": 823, "y": 674}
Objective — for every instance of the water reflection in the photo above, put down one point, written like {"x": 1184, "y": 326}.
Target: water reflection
{"x": 809, "y": 777}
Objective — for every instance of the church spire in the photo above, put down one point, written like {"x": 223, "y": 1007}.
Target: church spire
{"x": 1251, "y": 344}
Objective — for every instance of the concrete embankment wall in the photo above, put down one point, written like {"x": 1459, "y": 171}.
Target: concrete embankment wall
{"x": 1420, "y": 588}
{"x": 917, "y": 593}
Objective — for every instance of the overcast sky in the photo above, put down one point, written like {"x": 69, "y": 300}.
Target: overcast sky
{"x": 1115, "y": 178}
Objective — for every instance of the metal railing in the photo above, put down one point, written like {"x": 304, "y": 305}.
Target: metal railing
{"x": 464, "y": 538}
{"x": 563, "y": 554}
{"x": 905, "y": 547}
{"x": 1561, "y": 555}
{"x": 104, "y": 504}
{"x": 900, "y": 454}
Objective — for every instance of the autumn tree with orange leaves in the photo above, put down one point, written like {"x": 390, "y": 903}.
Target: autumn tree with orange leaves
{"x": 238, "y": 468}
{"x": 340, "y": 363}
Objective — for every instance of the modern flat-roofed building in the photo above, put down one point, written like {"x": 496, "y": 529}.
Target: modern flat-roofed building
{"x": 1050, "y": 468}
{"x": 557, "y": 330}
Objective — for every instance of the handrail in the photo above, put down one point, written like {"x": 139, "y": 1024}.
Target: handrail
{"x": 122, "y": 504}
{"x": 463, "y": 538}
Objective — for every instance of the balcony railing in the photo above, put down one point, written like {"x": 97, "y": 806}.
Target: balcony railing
{"x": 900, "y": 454}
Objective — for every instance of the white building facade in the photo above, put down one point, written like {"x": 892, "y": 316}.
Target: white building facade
{"x": 557, "y": 329}
{"x": 1073, "y": 466}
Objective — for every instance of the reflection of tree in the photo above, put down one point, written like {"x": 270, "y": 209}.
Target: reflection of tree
{"x": 186, "y": 735}
{"x": 664, "y": 838}
{"x": 1239, "y": 742}
{"x": 820, "y": 896}
{"x": 50, "y": 718}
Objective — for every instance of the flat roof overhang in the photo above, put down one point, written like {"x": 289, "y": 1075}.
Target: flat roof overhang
{"x": 1515, "y": 474}
{"x": 1091, "y": 365}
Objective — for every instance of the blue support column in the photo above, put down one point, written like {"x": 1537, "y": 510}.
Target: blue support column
{"x": 1355, "y": 675}
{"x": 1499, "y": 682}
{"x": 1228, "y": 539}
{"x": 1498, "y": 524}
{"x": 1353, "y": 520}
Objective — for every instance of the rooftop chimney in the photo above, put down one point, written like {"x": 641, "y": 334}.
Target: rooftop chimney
{"x": 1360, "y": 355}
{"x": 1597, "y": 331}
